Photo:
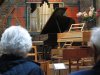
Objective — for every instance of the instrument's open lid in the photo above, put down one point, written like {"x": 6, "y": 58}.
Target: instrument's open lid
{"x": 55, "y": 23}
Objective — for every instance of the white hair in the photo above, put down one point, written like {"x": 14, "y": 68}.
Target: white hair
{"x": 16, "y": 40}
{"x": 95, "y": 38}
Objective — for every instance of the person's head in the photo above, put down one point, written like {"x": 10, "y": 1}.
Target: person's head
{"x": 95, "y": 42}
{"x": 16, "y": 40}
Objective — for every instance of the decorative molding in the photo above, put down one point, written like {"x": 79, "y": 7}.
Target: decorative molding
{"x": 44, "y": 0}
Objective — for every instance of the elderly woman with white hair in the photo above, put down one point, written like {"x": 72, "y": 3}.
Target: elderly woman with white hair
{"x": 95, "y": 45}
{"x": 16, "y": 43}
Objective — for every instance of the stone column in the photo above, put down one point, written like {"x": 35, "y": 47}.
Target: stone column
{"x": 98, "y": 7}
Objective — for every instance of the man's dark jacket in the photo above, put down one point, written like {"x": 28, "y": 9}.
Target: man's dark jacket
{"x": 94, "y": 71}
{"x": 14, "y": 65}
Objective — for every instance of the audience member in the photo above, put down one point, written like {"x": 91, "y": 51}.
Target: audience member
{"x": 16, "y": 43}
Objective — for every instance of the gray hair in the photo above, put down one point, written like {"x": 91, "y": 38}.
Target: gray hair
{"x": 95, "y": 38}
{"x": 16, "y": 40}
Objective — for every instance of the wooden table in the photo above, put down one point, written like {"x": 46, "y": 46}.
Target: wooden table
{"x": 76, "y": 53}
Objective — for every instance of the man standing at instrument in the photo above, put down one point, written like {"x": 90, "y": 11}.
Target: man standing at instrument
{"x": 95, "y": 44}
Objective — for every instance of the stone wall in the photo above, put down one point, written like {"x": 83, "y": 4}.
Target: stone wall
{"x": 85, "y": 4}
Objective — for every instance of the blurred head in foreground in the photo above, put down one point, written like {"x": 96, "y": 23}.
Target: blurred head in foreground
{"x": 16, "y": 40}
{"x": 95, "y": 43}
